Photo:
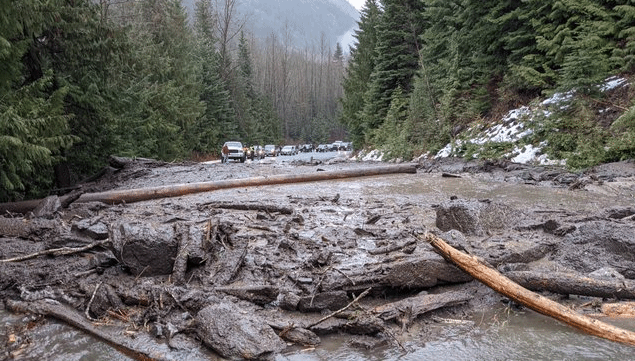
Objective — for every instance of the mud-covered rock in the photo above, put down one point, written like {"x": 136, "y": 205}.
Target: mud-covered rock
{"x": 288, "y": 301}
{"x": 598, "y": 244}
{"x": 474, "y": 218}
{"x": 92, "y": 228}
{"x": 300, "y": 336}
{"x": 48, "y": 207}
{"x": 145, "y": 249}
{"x": 235, "y": 334}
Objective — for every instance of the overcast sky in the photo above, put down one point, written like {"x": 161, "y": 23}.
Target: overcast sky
{"x": 357, "y": 3}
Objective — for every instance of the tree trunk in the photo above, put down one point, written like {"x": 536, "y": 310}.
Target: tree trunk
{"x": 503, "y": 285}
{"x": 143, "y": 194}
{"x": 574, "y": 284}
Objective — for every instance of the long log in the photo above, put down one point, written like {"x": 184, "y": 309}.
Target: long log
{"x": 143, "y": 194}
{"x": 503, "y": 285}
{"x": 573, "y": 284}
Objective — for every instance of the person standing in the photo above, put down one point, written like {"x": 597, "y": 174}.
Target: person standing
{"x": 224, "y": 154}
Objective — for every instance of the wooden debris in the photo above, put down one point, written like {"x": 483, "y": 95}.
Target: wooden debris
{"x": 248, "y": 207}
{"x": 176, "y": 190}
{"x": 64, "y": 251}
{"x": 362, "y": 295}
{"x": 137, "y": 351}
{"x": 392, "y": 247}
{"x": 574, "y": 284}
{"x": 503, "y": 285}
{"x": 420, "y": 304}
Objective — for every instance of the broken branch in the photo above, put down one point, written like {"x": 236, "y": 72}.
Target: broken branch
{"x": 362, "y": 295}
{"x": 64, "y": 251}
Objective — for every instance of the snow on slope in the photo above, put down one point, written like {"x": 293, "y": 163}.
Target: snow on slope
{"x": 515, "y": 127}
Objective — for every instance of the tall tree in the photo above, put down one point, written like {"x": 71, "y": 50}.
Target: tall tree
{"x": 358, "y": 71}
{"x": 397, "y": 58}
{"x": 162, "y": 81}
{"x": 218, "y": 122}
{"x": 33, "y": 125}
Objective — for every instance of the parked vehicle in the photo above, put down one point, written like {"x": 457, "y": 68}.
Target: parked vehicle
{"x": 289, "y": 150}
{"x": 272, "y": 150}
{"x": 306, "y": 148}
{"x": 322, "y": 148}
{"x": 234, "y": 150}
{"x": 340, "y": 145}
{"x": 256, "y": 152}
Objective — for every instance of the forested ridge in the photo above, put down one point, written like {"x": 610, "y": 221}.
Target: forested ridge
{"x": 81, "y": 80}
{"x": 422, "y": 71}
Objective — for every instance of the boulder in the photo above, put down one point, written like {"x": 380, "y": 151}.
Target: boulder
{"x": 145, "y": 249}
{"x": 237, "y": 334}
{"x": 474, "y": 218}
{"x": 597, "y": 244}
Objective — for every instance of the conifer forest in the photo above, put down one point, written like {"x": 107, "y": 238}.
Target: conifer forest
{"x": 81, "y": 80}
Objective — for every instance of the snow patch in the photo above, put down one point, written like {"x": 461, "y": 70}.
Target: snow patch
{"x": 374, "y": 155}
{"x": 516, "y": 126}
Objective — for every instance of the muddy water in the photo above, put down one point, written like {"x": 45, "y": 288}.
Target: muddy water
{"x": 54, "y": 341}
{"x": 495, "y": 335}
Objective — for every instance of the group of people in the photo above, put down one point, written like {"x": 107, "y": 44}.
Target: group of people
{"x": 250, "y": 152}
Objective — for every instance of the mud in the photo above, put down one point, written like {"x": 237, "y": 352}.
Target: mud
{"x": 235, "y": 272}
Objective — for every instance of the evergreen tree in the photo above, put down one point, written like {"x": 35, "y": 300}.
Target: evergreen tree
{"x": 393, "y": 133}
{"x": 161, "y": 79}
{"x": 217, "y": 124}
{"x": 397, "y": 58}
{"x": 33, "y": 125}
{"x": 358, "y": 71}
{"x": 625, "y": 23}
{"x": 338, "y": 55}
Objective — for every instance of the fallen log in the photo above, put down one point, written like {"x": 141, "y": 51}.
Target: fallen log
{"x": 258, "y": 294}
{"x": 143, "y": 194}
{"x": 136, "y": 349}
{"x": 392, "y": 247}
{"x": 503, "y": 285}
{"x": 420, "y": 304}
{"x": 573, "y": 284}
{"x": 248, "y": 207}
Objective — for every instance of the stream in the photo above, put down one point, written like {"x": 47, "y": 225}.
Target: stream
{"x": 495, "y": 335}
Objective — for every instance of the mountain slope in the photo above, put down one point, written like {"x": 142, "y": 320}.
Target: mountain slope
{"x": 305, "y": 20}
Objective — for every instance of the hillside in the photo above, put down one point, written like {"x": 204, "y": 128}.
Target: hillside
{"x": 306, "y": 20}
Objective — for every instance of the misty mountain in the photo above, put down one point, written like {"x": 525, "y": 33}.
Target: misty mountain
{"x": 304, "y": 20}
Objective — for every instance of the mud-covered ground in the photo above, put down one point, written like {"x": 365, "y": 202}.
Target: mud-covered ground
{"x": 251, "y": 272}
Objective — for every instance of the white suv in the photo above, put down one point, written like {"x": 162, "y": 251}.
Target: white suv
{"x": 289, "y": 150}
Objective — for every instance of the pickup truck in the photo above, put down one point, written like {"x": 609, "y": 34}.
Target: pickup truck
{"x": 235, "y": 152}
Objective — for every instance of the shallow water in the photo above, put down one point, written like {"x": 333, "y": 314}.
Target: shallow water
{"x": 496, "y": 335}
{"x": 500, "y": 335}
